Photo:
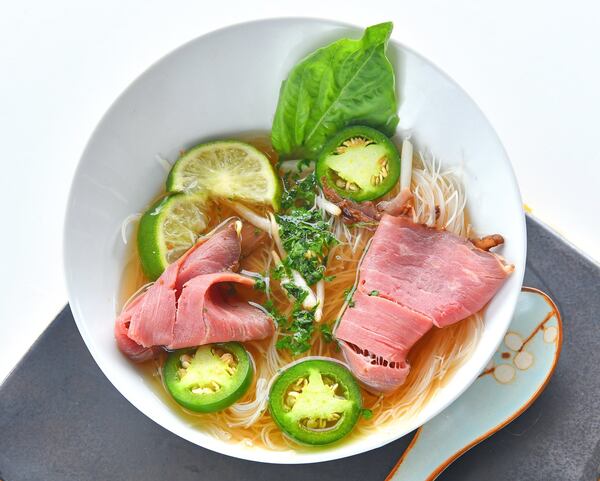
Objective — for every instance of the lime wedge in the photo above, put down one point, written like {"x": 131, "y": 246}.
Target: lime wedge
{"x": 168, "y": 229}
{"x": 227, "y": 169}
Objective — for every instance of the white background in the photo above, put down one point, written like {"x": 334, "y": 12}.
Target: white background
{"x": 532, "y": 66}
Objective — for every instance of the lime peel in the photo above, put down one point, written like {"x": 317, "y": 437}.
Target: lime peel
{"x": 168, "y": 229}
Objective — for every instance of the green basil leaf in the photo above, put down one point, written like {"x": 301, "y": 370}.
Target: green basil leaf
{"x": 348, "y": 82}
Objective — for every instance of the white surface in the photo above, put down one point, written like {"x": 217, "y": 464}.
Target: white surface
{"x": 532, "y": 66}
{"x": 118, "y": 175}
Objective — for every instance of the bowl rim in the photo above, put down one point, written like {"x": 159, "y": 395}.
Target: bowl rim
{"x": 320, "y": 455}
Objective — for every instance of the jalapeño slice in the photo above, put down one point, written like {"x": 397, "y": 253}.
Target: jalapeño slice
{"x": 360, "y": 163}
{"x": 209, "y": 378}
{"x": 315, "y": 402}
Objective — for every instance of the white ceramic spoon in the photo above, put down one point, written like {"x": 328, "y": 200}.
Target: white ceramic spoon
{"x": 517, "y": 374}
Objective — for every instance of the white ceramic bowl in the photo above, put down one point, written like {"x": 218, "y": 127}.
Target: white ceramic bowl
{"x": 228, "y": 82}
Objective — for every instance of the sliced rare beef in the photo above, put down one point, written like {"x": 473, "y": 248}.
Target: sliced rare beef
{"x": 208, "y": 311}
{"x": 132, "y": 349}
{"x": 219, "y": 252}
{"x": 376, "y": 335}
{"x": 412, "y": 278}
{"x": 430, "y": 271}
{"x": 151, "y": 320}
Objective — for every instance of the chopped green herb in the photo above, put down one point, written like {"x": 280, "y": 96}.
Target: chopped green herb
{"x": 279, "y": 319}
{"x": 260, "y": 284}
{"x": 303, "y": 163}
{"x": 374, "y": 293}
{"x": 367, "y": 414}
{"x": 348, "y": 293}
{"x": 296, "y": 291}
{"x": 326, "y": 332}
{"x": 299, "y": 193}
{"x": 298, "y": 334}
{"x": 305, "y": 237}
{"x": 328, "y": 278}
{"x": 280, "y": 272}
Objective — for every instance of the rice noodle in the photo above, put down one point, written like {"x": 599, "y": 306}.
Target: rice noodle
{"x": 357, "y": 240}
{"x": 245, "y": 414}
{"x": 440, "y": 198}
{"x": 341, "y": 231}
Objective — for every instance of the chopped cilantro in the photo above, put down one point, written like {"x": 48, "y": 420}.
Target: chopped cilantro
{"x": 279, "y": 319}
{"x": 328, "y": 278}
{"x": 299, "y": 193}
{"x": 303, "y": 163}
{"x": 326, "y": 332}
{"x": 305, "y": 237}
{"x": 348, "y": 293}
{"x": 296, "y": 291}
{"x": 260, "y": 284}
{"x": 374, "y": 293}
{"x": 367, "y": 414}
{"x": 280, "y": 272}
{"x": 298, "y": 334}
